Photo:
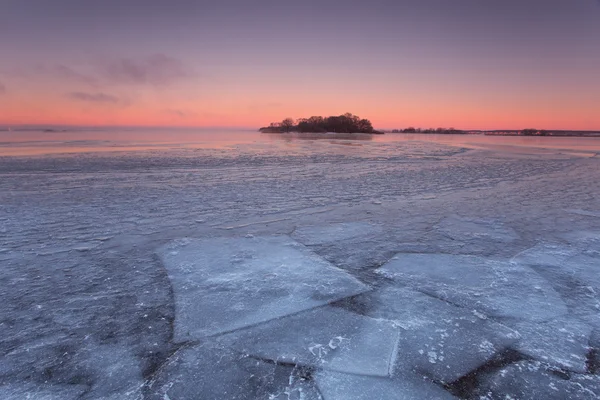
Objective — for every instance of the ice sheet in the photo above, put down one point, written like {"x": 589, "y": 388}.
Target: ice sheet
{"x": 338, "y": 386}
{"x": 535, "y": 380}
{"x": 224, "y": 284}
{"x": 495, "y": 288}
{"x": 211, "y": 372}
{"x": 573, "y": 272}
{"x": 437, "y": 339}
{"x": 562, "y": 342}
{"x": 327, "y": 337}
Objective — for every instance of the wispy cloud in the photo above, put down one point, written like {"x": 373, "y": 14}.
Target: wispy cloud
{"x": 64, "y": 72}
{"x": 2, "y": 88}
{"x": 179, "y": 113}
{"x": 157, "y": 69}
{"x": 154, "y": 70}
{"x": 58, "y": 72}
{"x": 93, "y": 97}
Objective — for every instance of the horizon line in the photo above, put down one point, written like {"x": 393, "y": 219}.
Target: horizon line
{"x": 4, "y": 127}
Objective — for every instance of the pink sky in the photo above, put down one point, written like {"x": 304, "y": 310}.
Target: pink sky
{"x": 498, "y": 65}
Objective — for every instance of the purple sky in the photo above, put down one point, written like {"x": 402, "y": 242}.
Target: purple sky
{"x": 467, "y": 63}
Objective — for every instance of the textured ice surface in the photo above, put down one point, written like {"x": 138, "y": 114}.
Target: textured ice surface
{"x": 562, "y": 342}
{"x": 326, "y": 337}
{"x": 209, "y": 372}
{"x": 349, "y": 245}
{"x": 437, "y": 339}
{"x": 334, "y": 233}
{"x": 41, "y": 392}
{"x": 84, "y": 296}
{"x": 224, "y": 284}
{"x": 574, "y": 273}
{"x": 339, "y": 386}
{"x": 530, "y": 380}
{"x": 586, "y": 213}
{"x": 468, "y": 229}
{"x": 498, "y": 289}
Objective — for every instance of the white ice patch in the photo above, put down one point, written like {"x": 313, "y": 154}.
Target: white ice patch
{"x": 535, "y": 380}
{"x": 224, "y": 284}
{"x": 327, "y": 337}
{"x": 494, "y": 288}
{"x": 562, "y": 342}
{"x": 438, "y": 340}
{"x": 338, "y": 386}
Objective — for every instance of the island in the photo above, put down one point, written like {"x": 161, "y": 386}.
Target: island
{"x": 346, "y": 123}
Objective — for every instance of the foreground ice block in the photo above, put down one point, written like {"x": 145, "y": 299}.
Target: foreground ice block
{"x": 439, "y": 340}
{"x": 532, "y": 380}
{"x": 498, "y": 289}
{"x": 349, "y": 245}
{"x": 339, "y": 386}
{"x": 573, "y": 272}
{"x": 210, "y": 372}
{"x": 562, "y": 342}
{"x": 326, "y": 337}
{"x": 224, "y": 284}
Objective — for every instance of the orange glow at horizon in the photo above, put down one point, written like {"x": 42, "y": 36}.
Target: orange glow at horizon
{"x": 385, "y": 113}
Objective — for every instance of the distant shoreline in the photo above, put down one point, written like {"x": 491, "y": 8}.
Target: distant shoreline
{"x": 516, "y": 134}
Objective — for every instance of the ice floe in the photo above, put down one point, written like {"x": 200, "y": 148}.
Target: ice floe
{"x": 437, "y": 339}
{"x": 224, "y": 284}
{"x": 339, "y": 386}
{"x": 528, "y": 380}
{"x": 495, "y": 288}
{"x": 327, "y": 337}
{"x": 211, "y": 372}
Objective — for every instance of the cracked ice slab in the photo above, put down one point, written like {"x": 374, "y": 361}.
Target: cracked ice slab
{"x": 562, "y": 342}
{"x": 210, "y": 372}
{"x": 573, "y": 273}
{"x": 224, "y": 284}
{"x": 327, "y": 337}
{"x": 437, "y": 339}
{"x": 350, "y": 245}
{"x": 498, "y": 289}
{"x": 535, "y": 380}
{"x": 339, "y": 386}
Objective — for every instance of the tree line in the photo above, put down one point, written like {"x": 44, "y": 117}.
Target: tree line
{"x": 346, "y": 123}
{"x": 430, "y": 130}
{"x": 534, "y": 132}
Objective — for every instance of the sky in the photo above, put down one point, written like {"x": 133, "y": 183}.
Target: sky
{"x": 468, "y": 64}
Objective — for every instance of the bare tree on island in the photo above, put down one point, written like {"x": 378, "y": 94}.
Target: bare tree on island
{"x": 287, "y": 124}
{"x": 346, "y": 123}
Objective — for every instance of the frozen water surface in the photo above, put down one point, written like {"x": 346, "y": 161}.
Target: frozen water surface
{"x": 468, "y": 229}
{"x": 496, "y": 288}
{"x": 338, "y": 386}
{"x": 290, "y": 267}
{"x": 224, "y": 284}
{"x": 562, "y": 342}
{"x": 535, "y": 380}
{"x": 328, "y": 338}
{"x": 437, "y": 339}
{"x": 211, "y": 372}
